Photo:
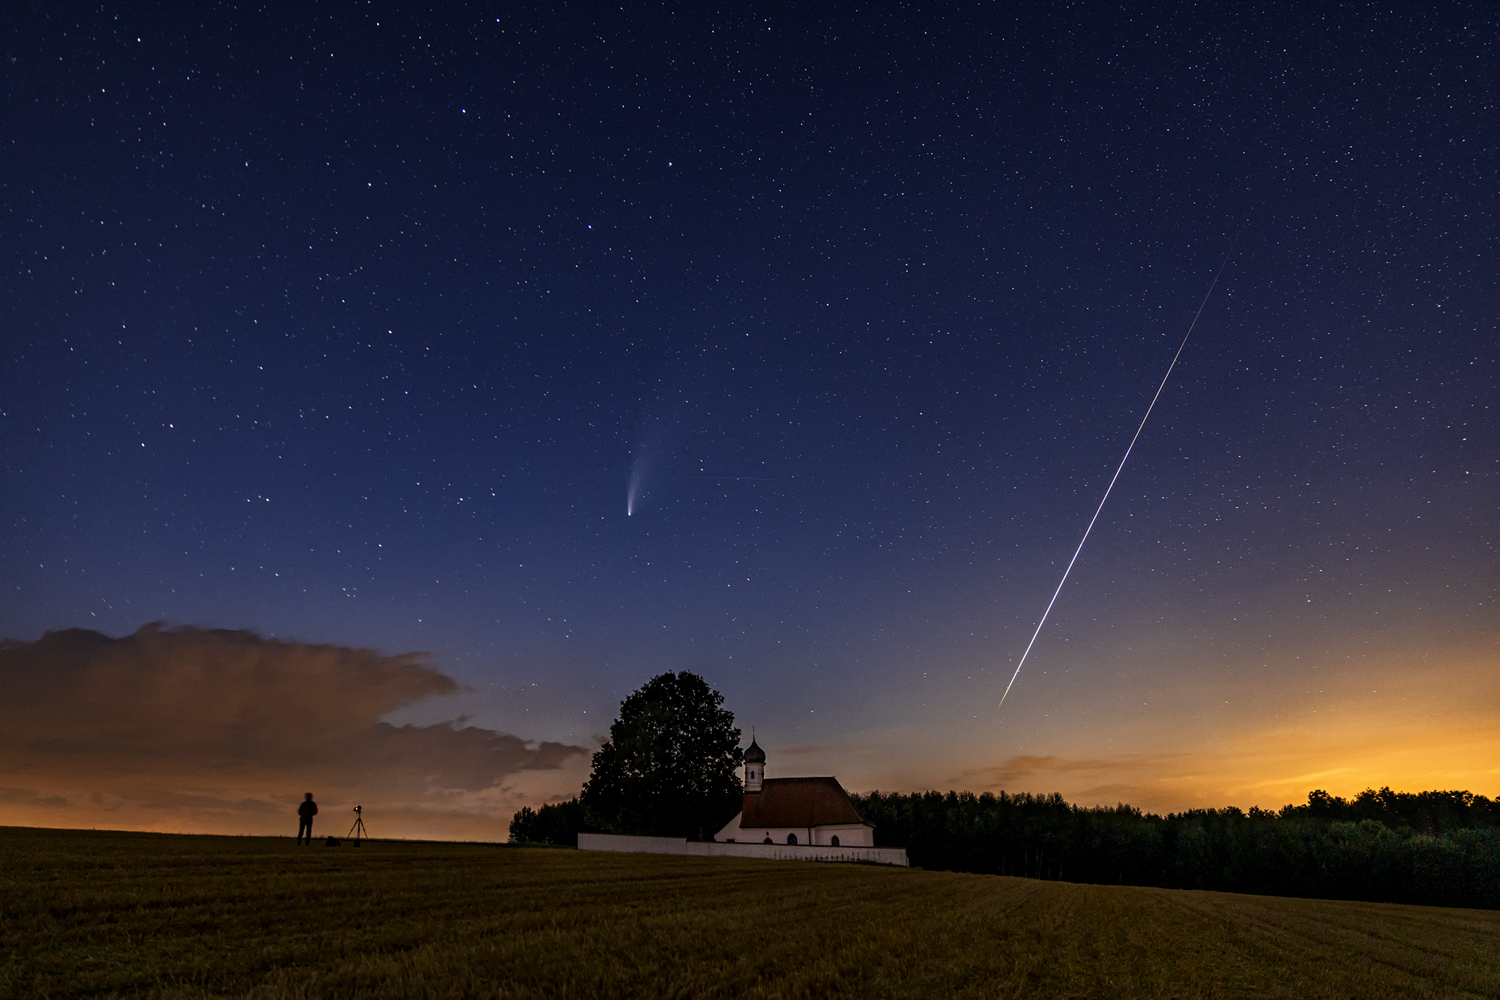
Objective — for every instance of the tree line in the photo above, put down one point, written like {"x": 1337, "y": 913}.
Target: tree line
{"x": 1437, "y": 848}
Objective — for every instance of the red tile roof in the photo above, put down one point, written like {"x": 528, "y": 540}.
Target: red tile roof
{"x": 799, "y": 802}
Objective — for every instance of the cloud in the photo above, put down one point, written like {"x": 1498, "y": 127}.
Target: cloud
{"x": 1139, "y": 778}
{"x": 210, "y": 727}
{"x": 1268, "y": 766}
{"x": 29, "y": 796}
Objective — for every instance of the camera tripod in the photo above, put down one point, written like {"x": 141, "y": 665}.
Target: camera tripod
{"x": 358, "y": 829}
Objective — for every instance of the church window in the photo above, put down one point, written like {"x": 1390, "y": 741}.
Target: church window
{"x": 835, "y": 840}
{"x": 791, "y": 838}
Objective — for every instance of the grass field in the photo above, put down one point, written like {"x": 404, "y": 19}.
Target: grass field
{"x": 103, "y": 914}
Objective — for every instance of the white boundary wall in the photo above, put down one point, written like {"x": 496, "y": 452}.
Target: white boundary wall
{"x": 707, "y": 849}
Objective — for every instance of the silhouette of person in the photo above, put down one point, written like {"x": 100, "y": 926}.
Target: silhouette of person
{"x": 307, "y": 810}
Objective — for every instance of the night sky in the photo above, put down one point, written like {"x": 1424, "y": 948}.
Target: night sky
{"x": 792, "y": 346}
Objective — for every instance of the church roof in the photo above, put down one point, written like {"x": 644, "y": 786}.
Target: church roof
{"x": 754, "y": 754}
{"x": 799, "y": 802}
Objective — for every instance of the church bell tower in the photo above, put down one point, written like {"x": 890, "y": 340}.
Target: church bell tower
{"x": 755, "y": 767}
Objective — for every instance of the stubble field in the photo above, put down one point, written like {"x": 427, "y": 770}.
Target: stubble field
{"x": 87, "y": 914}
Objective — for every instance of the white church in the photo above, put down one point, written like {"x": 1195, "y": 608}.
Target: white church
{"x": 815, "y": 812}
{"x": 782, "y": 819}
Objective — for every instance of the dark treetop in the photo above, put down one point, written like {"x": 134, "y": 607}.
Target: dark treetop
{"x": 669, "y": 768}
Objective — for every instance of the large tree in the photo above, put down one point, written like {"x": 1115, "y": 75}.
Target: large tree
{"x": 670, "y": 767}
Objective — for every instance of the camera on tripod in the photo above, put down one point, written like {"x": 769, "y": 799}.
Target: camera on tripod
{"x": 357, "y": 831}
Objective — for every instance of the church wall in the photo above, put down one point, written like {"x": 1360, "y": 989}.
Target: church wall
{"x": 781, "y": 851}
{"x": 849, "y": 834}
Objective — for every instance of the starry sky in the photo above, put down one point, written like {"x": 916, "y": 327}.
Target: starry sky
{"x": 790, "y": 345}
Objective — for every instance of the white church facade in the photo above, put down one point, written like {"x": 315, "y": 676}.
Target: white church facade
{"x": 815, "y": 812}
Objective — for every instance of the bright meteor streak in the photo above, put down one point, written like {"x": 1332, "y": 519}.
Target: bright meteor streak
{"x": 1116, "y": 476}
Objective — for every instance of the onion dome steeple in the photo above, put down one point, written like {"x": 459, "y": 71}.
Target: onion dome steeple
{"x": 755, "y": 766}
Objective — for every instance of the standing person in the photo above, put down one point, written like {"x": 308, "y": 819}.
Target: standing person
{"x": 307, "y": 810}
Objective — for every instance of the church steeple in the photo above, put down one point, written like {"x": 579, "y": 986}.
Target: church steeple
{"x": 755, "y": 766}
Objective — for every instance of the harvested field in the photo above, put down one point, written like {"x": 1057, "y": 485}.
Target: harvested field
{"x": 86, "y": 914}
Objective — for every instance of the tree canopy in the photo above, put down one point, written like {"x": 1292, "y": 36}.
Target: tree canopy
{"x": 670, "y": 766}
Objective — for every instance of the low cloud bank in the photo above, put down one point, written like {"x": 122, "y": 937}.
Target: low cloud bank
{"x": 1268, "y": 767}
{"x": 221, "y": 731}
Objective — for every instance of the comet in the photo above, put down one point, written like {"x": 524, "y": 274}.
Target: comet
{"x": 1120, "y": 468}
{"x": 639, "y": 466}
{"x": 643, "y": 463}
{"x": 633, "y": 491}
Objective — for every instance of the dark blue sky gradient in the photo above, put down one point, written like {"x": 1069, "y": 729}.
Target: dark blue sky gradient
{"x": 352, "y": 322}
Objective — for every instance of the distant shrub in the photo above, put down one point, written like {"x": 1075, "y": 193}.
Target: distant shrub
{"x": 558, "y": 823}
